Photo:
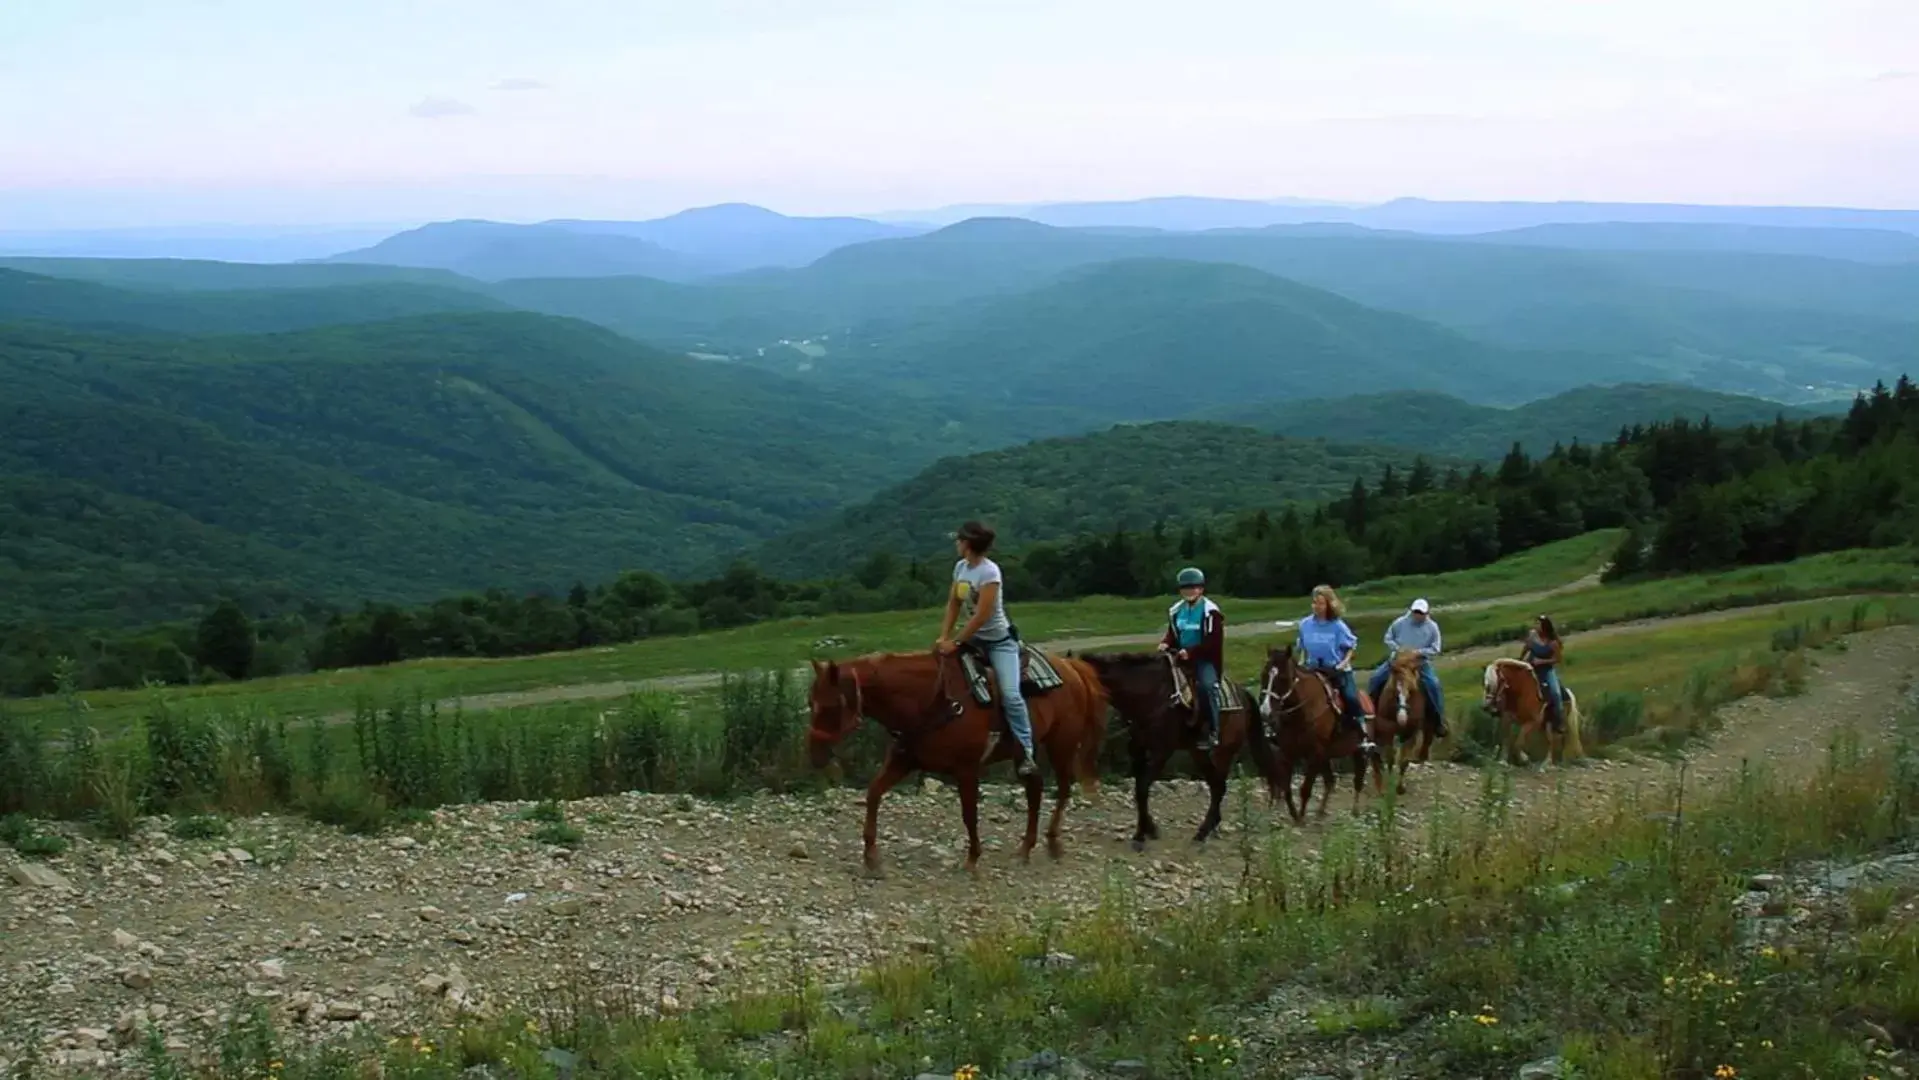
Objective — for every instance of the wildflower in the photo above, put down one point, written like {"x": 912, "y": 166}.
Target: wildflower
{"x": 966, "y": 1072}
{"x": 1724, "y": 1072}
{"x": 1769, "y": 952}
{"x": 1765, "y": 1044}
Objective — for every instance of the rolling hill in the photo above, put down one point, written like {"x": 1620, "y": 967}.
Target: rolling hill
{"x": 405, "y": 459}
{"x": 1855, "y": 244}
{"x": 492, "y": 251}
{"x": 193, "y": 275}
{"x": 1156, "y": 339}
{"x": 1443, "y": 425}
{"x": 31, "y": 297}
{"x": 739, "y": 236}
{"x": 1128, "y": 476}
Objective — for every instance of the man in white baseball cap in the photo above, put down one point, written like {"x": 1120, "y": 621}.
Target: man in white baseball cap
{"x": 1414, "y": 630}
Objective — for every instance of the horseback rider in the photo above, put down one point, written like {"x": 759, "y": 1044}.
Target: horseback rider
{"x": 1543, "y": 650}
{"x": 1328, "y": 645}
{"x": 977, "y": 589}
{"x": 1416, "y": 630}
{"x": 1196, "y": 632}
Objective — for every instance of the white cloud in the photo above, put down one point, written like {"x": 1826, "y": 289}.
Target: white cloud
{"x": 519, "y": 84}
{"x": 435, "y": 108}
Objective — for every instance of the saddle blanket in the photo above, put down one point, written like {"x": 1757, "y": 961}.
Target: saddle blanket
{"x": 1037, "y": 674}
{"x": 1233, "y": 697}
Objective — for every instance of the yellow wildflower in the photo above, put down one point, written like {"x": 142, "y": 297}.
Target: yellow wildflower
{"x": 1724, "y": 1072}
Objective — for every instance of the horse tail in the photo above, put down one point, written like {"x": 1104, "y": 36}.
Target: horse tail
{"x": 1093, "y": 739}
{"x": 1573, "y": 747}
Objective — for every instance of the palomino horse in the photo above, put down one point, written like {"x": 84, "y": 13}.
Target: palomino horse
{"x": 925, "y": 702}
{"x": 1513, "y": 694}
{"x": 1403, "y": 714}
{"x": 1141, "y": 689}
{"x": 1300, "y": 714}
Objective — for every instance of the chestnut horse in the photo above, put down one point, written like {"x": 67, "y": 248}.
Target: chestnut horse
{"x": 1300, "y": 717}
{"x": 923, "y": 701}
{"x": 1402, "y": 714}
{"x": 1140, "y": 686}
{"x": 1513, "y": 694}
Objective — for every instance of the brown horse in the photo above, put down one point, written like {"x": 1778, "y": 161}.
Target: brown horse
{"x": 1402, "y": 715}
{"x": 1300, "y": 715}
{"x": 923, "y": 700}
{"x": 1140, "y": 686}
{"x": 1513, "y": 694}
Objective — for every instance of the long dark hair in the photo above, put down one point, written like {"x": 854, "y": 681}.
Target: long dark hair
{"x": 1547, "y": 631}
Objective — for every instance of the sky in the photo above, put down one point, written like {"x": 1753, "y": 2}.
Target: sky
{"x": 317, "y": 112}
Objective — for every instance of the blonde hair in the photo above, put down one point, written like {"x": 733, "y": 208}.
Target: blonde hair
{"x": 1334, "y": 606}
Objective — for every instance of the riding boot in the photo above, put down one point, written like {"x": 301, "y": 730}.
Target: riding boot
{"x": 1439, "y": 725}
{"x": 1209, "y": 738}
{"x": 1025, "y": 766}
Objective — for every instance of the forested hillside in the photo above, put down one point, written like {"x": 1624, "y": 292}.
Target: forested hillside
{"x": 34, "y": 298}
{"x": 1441, "y": 424}
{"x": 400, "y": 460}
{"x": 1124, "y": 478}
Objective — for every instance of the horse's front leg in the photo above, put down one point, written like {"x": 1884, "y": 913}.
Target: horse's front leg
{"x": 1035, "y": 790}
{"x": 1328, "y": 783}
{"x": 1297, "y": 813}
{"x": 894, "y": 770}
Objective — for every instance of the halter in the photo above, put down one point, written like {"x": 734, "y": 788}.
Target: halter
{"x": 1270, "y": 699}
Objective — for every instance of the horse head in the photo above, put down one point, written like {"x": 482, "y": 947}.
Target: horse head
{"x": 1405, "y": 674}
{"x": 1276, "y": 680}
{"x": 835, "y": 699}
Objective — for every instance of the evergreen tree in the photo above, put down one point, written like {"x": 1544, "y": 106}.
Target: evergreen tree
{"x": 224, "y": 641}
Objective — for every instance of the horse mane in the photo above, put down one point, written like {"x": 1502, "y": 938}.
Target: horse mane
{"x": 1406, "y": 658}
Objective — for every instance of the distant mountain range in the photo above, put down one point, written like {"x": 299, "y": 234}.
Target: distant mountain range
{"x": 1183, "y": 213}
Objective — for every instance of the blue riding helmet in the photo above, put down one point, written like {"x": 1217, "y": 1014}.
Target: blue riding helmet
{"x": 1191, "y": 576}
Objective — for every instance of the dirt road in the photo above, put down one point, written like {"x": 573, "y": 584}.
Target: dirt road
{"x": 676, "y": 897}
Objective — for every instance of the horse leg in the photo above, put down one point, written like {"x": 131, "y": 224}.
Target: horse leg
{"x": 1216, "y": 787}
{"x": 1062, "y": 776}
{"x": 1359, "y": 777}
{"x": 895, "y": 770}
{"x": 1148, "y": 764}
{"x": 1297, "y": 813}
{"x": 969, "y": 813}
{"x": 1326, "y": 785}
{"x": 1035, "y": 788}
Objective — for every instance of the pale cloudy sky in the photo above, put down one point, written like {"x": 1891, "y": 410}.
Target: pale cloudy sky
{"x": 121, "y": 112}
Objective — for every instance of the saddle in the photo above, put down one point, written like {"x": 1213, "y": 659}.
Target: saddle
{"x": 1333, "y": 695}
{"x": 1037, "y": 674}
{"x": 1231, "y": 697}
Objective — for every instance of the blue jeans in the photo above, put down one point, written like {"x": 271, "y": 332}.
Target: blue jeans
{"x": 1004, "y": 654}
{"x": 1555, "y": 703}
{"x": 1209, "y": 691}
{"x": 1428, "y": 682}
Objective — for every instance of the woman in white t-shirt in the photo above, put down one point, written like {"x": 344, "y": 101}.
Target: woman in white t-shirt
{"x": 978, "y": 592}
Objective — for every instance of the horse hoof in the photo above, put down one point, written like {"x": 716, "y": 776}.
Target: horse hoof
{"x": 1055, "y": 848}
{"x": 874, "y": 872}
{"x": 1139, "y": 844}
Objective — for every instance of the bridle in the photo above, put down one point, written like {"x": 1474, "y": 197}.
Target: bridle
{"x": 1270, "y": 699}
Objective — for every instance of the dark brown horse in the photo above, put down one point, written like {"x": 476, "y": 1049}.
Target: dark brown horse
{"x": 1140, "y": 686}
{"x": 923, "y": 700}
{"x": 1300, "y": 718}
{"x": 1402, "y": 714}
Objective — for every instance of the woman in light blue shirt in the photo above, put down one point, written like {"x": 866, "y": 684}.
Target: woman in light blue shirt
{"x": 1328, "y": 644}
